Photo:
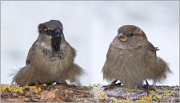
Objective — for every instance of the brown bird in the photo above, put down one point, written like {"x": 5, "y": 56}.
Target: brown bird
{"x": 50, "y": 59}
{"x": 132, "y": 59}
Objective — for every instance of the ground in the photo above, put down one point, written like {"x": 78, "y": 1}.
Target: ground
{"x": 93, "y": 93}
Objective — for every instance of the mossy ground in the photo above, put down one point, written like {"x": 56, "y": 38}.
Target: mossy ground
{"x": 94, "y": 93}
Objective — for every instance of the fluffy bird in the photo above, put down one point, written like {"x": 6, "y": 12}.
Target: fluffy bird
{"x": 132, "y": 59}
{"x": 50, "y": 59}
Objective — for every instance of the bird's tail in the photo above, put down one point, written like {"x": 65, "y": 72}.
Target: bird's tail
{"x": 74, "y": 73}
{"x": 162, "y": 70}
{"x": 22, "y": 76}
{"x": 28, "y": 76}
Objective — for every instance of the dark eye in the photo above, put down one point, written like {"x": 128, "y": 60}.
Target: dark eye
{"x": 42, "y": 28}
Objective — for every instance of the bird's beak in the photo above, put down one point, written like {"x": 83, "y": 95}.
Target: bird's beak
{"x": 58, "y": 33}
{"x": 122, "y": 37}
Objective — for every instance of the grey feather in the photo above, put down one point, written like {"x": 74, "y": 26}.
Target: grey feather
{"x": 133, "y": 61}
{"x": 43, "y": 65}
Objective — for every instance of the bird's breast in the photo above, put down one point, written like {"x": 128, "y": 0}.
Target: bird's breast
{"x": 50, "y": 55}
{"x": 54, "y": 55}
{"x": 50, "y": 62}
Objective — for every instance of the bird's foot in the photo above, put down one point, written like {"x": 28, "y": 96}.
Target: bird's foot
{"x": 111, "y": 85}
{"x": 148, "y": 87}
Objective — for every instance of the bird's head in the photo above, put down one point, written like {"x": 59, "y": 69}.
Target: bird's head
{"x": 52, "y": 30}
{"x": 129, "y": 36}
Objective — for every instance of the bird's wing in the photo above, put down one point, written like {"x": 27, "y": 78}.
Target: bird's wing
{"x": 151, "y": 48}
{"x": 158, "y": 68}
{"x": 30, "y": 53}
{"x": 72, "y": 51}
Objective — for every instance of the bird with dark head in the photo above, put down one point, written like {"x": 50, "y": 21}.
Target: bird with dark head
{"x": 132, "y": 59}
{"x": 50, "y": 59}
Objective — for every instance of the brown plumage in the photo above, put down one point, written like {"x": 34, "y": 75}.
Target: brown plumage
{"x": 132, "y": 59}
{"x": 50, "y": 59}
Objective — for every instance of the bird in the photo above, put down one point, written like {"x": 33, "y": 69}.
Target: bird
{"x": 132, "y": 60}
{"x": 50, "y": 58}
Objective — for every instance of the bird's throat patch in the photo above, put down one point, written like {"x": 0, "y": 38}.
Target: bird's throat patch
{"x": 55, "y": 43}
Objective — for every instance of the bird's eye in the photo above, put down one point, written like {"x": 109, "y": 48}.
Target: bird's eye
{"x": 42, "y": 28}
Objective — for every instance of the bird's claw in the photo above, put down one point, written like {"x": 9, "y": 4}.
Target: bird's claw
{"x": 148, "y": 87}
{"x": 111, "y": 85}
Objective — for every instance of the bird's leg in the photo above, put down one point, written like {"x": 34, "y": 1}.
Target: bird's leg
{"x": 148, "y": 88}
{"x": 111, "y": 85}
